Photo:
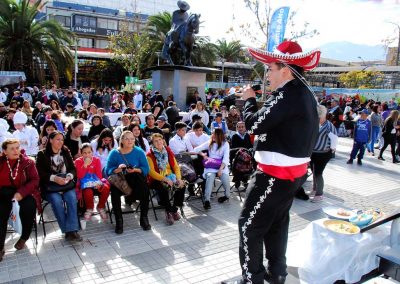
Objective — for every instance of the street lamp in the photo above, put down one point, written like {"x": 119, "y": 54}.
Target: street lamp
{"x": 158, "y": 53}
{"x": 364, "y": 64}
{"x": 222, "y": 77}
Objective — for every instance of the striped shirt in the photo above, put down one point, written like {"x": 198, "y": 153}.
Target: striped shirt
{"x": 327, "y": 137}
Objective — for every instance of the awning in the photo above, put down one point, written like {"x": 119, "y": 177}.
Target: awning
{"x": 11, "y": 77}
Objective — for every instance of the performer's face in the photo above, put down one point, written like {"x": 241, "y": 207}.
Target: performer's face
{"x": 275, "y": 76}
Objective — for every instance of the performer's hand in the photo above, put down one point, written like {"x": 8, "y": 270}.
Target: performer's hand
{"x": 248, "y": 92}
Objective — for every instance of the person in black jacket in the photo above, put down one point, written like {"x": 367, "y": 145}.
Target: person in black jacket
{"x": 389, "y": 135}
{"x": 97, "y": 126}
{"x": 286, "y": 129}
{"x": 241, "y": 139}
{"x": 74, "y": 138}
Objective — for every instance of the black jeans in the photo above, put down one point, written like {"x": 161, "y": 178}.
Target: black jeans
{"x": 265, "y": 220}
{"x": 27, "y": 214}
{"x": 163, "y": 193}
{"x": 140, "y": 191}
{"x": 318, "y": 164}
{"x": 389, "y": 140}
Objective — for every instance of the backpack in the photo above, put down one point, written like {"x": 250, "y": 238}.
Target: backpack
{"x": 187, "y": 170}
{"x": 243, "y": 162}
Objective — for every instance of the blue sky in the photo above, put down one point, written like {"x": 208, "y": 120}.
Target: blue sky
{"x": 357, "y": 21}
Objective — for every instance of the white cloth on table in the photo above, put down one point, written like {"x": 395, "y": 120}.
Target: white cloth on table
{"x": 323, "y": 256}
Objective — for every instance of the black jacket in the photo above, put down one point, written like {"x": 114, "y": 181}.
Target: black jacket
{"x": 287, "y": 123}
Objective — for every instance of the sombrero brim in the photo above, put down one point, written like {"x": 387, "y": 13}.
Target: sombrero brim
{"x": 183, "y": 5}
{"x": 307, "y": 61}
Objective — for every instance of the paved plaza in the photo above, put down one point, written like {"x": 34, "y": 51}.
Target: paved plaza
{"x": 203, "y": 248}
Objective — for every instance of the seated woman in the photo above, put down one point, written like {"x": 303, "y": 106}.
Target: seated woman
{"x": 103, "y": 145}
{"x": 97, "y": 126}
{"x": 140, "y": 141}
{"x": 218, "y": 149}
{"x": 164, "y": 174}
{"x": 87, "y": 164}
{"x": 19, "y": 180}
{"x": 48, "y": 127}
{"x": 74, "y": 138}
{"x": 54, "y": 160}
{"x": 131, "y": 161}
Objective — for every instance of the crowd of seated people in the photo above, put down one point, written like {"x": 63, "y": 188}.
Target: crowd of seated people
{"x": 78, "y": 149}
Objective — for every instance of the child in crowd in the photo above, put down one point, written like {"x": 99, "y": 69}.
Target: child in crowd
{"x": 362, "y": 136}
{"x": 89, "y": 176}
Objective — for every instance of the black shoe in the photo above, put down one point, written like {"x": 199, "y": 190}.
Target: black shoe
{"x": 119, "y": 226}
{"x": 207, "y": 204}
{"x": 222, "y": 199}
{"x": 359, "y": 162}
{"x": 144, "y": 223}
{"x": 350, "y": 162}
{"x": 301, "y": 194}
{"x": 73, "y": 237}
{"x": 274, "y": 279}
{"x": 381, "y": 158}
{"x": 396, "y": 161}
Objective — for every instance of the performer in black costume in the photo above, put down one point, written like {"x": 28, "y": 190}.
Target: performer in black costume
{"x": 285, "y": 130}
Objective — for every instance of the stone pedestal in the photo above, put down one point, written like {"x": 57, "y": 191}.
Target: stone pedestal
{"x": 181, "y": 81}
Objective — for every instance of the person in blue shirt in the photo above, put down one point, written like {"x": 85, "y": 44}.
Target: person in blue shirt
{"x": 131, "y": 161}
{"x": 362, "y": 136}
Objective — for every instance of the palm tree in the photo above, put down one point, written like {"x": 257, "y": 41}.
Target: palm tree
{"x": 29, "y": 45}
{"x": 231, "y": 52}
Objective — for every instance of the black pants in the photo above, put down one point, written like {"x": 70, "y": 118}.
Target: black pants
{"x": 27, "y": 214}
{"x": 163, "y": 193}
{"x": 265, "y": 220}
{"x": 140, "y": 192}
{"x": 199, "y": 169}
{"x": 318, "y": 164}
{"x": 389, "y": 140}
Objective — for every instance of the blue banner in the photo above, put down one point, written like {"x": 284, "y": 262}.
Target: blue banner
{"x": 277, "y": 28}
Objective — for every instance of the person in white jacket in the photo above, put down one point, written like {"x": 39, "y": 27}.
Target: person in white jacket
{"x": 27, "y": 135}
{"x": 4, "y": 134}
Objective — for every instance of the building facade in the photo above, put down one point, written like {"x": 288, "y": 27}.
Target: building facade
{"x": 93, "y": 21}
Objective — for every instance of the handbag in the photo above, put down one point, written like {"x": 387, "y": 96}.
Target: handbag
{"x": 119, "y": 180}
{"x": 211, "y": 163}
{"x": 15, "y": 220}
{"x": 90, "y": 180}
{"x": 55, "y": 187}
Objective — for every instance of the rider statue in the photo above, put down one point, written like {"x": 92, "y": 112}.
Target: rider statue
{"x": 179, "y": 18}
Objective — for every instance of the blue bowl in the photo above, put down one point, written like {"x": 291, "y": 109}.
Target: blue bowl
{"x": 361, "y": 220}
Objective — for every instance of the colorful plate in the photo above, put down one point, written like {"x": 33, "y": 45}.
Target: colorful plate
{"x": 341, "y": 227}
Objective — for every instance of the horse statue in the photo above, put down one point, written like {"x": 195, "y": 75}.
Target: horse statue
{"x": 182, "y": 39}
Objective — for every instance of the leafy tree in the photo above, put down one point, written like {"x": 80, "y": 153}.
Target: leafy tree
{"x": 29, "y": 45}
{"x": 262, "y": 11}
{"x": 361, "y": 79}
{"x": 130, "y": 49}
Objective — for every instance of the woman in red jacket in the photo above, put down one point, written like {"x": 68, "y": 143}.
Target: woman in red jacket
{"x": 90, "y": 178}
{"x": 19, "y": 180}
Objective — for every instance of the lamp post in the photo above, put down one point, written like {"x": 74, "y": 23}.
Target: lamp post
{"x": 363, "y": 62}
{"x": 222, "y": 75}
{"x": 158, "y": 53}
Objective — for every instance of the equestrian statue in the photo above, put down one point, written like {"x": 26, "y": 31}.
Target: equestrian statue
{"x": 180, "y": 39}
